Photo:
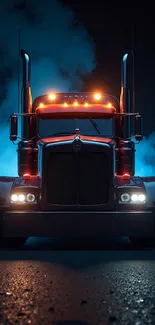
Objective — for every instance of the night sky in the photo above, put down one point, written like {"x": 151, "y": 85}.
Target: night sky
{"x": 77, "y": 45}
{"x": 112, "y": 25}
{"x": 50, "y": 29}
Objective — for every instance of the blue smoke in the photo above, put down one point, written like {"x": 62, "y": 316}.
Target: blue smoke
{"x": 62, "y": 54}
{"x": 145, "y": 156}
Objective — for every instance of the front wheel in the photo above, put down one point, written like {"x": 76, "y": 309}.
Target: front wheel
{"x": 13, "y": 243}
{"x": 142, "y": 242}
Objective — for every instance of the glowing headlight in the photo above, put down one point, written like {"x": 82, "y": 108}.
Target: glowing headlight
{"x": 142, "y": 197}
{"x": 138, "y": 198}
{"x": 125, "y": 197}
{"x": 18, "y": 198}
{"x": 30, "y": 197}
{"x": 14, "y": 197}
{"x": 132, "y": 198}
{"x": 21, "y": 197}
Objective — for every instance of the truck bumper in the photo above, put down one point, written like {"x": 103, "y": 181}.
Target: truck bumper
{"x": 75, "y": 223}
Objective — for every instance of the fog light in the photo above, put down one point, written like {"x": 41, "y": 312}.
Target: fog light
{"x": 125, "y": 197}
{"x": 30, "y": 197}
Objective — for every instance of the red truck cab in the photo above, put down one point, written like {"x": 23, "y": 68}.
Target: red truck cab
{"x": 76, "y": 168}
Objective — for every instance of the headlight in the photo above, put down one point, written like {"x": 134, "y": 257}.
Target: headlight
{"x": 14, "y": 197}
{"x": 23, "y": 198}
{"x": 30, "y": 197}
{"x": 132, "y": 198}
{"x": 18, "y": 198}
{"x": 125, "y": 197}
{"x": 142, "y": 197}
{"x": 138, "y": 198}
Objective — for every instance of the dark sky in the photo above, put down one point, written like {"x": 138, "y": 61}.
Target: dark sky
{"x": 110, "y": 24}
{"x": 68, "y": 53}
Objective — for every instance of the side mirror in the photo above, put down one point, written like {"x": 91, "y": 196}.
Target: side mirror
{"x": 138, "y": 128}
{"x": 13, "y": 127}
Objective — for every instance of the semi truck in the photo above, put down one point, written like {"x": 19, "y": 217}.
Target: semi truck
{"x": 76, "y": 167}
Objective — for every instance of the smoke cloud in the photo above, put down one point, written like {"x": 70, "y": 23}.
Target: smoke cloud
{"x": 145, "y": 156}
{"x": 61, "y": 50}
{"x": 62, "y": 53}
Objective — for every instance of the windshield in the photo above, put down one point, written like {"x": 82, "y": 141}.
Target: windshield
{"x": 87, "y": 126}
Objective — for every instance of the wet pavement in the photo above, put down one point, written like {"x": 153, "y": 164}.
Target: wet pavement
{"x": 77, "y": 283}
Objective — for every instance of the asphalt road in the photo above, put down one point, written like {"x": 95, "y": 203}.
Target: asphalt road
{"x": 55, "y": 282}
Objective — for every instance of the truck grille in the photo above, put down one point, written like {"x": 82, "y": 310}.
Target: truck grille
{"x": 61, "y": 178}
{"x": 77, "y": 178}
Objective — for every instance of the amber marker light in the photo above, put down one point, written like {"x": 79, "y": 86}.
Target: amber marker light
{"x": 52, "y": 96}
{"x": 97, "y": 96}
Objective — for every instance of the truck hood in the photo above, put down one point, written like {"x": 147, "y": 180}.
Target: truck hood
{"x": 72, "y": 137}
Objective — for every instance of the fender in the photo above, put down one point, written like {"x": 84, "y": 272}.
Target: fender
{"x": 149, "y": 183}
{"x": 6, "y": 184}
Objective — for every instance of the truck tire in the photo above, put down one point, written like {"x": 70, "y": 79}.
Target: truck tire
{"x": 13, "y": 243}
{"x": 142, "y": 242}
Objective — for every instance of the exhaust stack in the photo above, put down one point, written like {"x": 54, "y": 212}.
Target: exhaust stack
{"x": 27, "y": 152}
{"x": 126, "y": 148}
{"x": 125, "y": 99}
{"x": 125, "y": 105}
{"x": 26, "y": 95}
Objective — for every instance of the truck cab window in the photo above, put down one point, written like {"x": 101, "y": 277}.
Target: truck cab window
{"x": 49, "y": 127}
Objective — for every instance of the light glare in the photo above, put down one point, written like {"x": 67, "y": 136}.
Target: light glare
{"x": 97, "y": 96}
{"x": 141, "y": 197}
{"x": 134, "y": 197}
{"x": 21, "y": 197}
{"x": 14, "y": 197}
{"x": 52, "y": 96}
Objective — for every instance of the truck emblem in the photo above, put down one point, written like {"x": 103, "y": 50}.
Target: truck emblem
{"x": 77, "y": 144}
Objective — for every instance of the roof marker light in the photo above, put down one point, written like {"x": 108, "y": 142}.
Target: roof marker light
{"x": 52, "y": 96}
{"x": 97, "y": 96}
{"x": 41, "y": 105}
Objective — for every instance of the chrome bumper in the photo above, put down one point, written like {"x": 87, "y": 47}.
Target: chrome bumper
{"x": 77, "y": 223}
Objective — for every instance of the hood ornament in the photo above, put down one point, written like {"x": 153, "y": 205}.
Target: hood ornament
{"x": 77, "y": 142}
